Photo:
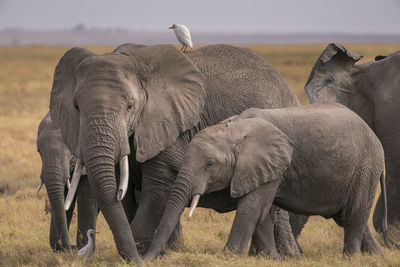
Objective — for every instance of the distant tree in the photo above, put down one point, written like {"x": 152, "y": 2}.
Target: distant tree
{"x": 79, "y": 27}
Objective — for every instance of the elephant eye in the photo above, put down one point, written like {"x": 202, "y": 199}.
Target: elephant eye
{"x": 329, "y": 80}
{"x": 76, "y": 107}
{"x": 130, "y": 106}
{"x": 210, "y": 163}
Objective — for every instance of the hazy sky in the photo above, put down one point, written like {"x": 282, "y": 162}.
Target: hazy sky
{"x": 250, "y": 16}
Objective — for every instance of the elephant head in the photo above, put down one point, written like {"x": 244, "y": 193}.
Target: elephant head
{"x": 240, "y": 155}
{"x": 55, "y": 174}
{"x": 154, "y": 93}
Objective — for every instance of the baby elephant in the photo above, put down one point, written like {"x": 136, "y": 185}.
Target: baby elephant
{"x": 320, "y": 159}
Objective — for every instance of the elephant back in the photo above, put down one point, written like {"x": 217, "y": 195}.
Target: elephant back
{"x": 237, "y": 79}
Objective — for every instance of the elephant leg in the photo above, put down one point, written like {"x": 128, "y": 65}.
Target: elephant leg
{"x": 393, "y": 209}
{"x": 297, "y": 223}
{"x": 263, "y": 241}
{"x": 353, "y": 235}
{"x": 157, "y": 178}
{"x": 285, "y": 241}
{"x": 87, "y": 212}
{"x": 369, "y": 243}
{"x": 387, "y": 128}
{"x": 252, "y": 209}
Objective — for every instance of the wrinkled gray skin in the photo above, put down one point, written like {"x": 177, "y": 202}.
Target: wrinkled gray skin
{"x": 56, "y": 163}
{"x": 319, "y": 159}
{"x": 372, "y": 90}
{"x": 161, "y": 98}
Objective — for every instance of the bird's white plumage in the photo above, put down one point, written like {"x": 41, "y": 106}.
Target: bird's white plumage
{"x": 87, "y": 250}
{"x": 183, "y": 35}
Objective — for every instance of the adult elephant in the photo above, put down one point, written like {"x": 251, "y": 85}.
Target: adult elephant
{"x": 56, "y": 165}
{"x": 372, "y": 90}
{"x": 161, "y": 97}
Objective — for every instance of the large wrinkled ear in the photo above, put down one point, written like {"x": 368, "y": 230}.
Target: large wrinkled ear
{"x": 62, "y": 111}
{"x": 175, "y": 98}
{"x": 334, "y": 52}
{"x": 263, "y": 153}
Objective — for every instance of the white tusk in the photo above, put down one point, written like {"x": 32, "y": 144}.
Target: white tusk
{"x": 195, "y": 200}
{"x": 39, "y": 187}
{"x": 74, "y": 184}
{"x": 68, "y": 183}
{"x": 124, "y": 177}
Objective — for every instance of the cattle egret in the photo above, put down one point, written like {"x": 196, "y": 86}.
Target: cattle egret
{"x": 183, "y": 35}
{"x": 88, "y": 250}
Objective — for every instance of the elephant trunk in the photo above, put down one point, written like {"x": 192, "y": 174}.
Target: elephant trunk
{"x": 99, "y": 156}
{"x": 55, "y": 185}
{"x": 176, "y": 203}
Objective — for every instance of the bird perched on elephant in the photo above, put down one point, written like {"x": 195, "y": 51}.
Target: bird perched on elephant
{"x": 372, "y": 90}
{"x": 320, "y": 159}
{"x": 183, "y": 35}
{"x": 55, "y": 173}
{"x": 158, "y": 98}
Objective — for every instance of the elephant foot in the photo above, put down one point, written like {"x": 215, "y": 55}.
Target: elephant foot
{"x": 142, "y": 247}
{"x": 266, "y": 254}
{"x": 263, "y": 241}
{"x": 353, "y": 235}
{"x": 369, "y": 243}
{"x": 58, "y": 247}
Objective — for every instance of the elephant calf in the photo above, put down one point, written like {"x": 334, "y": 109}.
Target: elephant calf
{"x": 56, "y": 163}
{"x": 320, "y": 159}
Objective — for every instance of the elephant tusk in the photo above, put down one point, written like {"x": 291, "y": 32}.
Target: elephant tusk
{"x": 68, "y": 183}
{"x": 74, "y": 184}
{"x": 195, "y": 200}
{"x": 39, "y": 187}
{"x": 124, "y": 177}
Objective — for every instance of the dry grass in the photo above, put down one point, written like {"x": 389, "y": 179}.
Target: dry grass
{"x": 25, "y": 82}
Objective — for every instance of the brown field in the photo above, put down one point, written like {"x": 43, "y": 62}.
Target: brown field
{"x": 25, "y": 82}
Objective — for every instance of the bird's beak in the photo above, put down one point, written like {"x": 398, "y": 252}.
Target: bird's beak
{"x": 171, "y": 27}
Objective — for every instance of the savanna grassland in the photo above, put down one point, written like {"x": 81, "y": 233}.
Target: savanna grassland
{"x": 25, "y": 82}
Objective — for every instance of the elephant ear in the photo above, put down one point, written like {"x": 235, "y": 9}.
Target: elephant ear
{"x": 175, "y": 98}
{"x": 263, "y": 153}
{"x": 62, "y": 111}
{"x": 333, "y": 50}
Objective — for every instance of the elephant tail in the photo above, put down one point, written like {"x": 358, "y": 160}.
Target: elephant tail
{"x": 384, "y": 201}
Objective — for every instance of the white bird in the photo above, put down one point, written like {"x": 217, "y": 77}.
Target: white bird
{"x": 88, "y": 250}
{"x": 183, "y": 35}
